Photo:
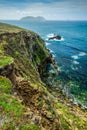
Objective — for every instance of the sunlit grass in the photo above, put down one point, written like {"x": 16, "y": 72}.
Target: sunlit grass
{"x": 67, "y": 118}
{"x": 5, "y": 60}
{"x": 29, "y": 127}
{"x": 4, "y": 28}
{"x": 5, "y": 85}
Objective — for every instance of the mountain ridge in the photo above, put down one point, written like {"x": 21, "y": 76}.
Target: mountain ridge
{"x": 32, "y": 18}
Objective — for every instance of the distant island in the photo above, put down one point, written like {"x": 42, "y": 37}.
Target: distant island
{"x": 31, "y": 18}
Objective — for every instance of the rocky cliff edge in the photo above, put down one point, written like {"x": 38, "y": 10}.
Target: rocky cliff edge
{"x": 25, "y": 101}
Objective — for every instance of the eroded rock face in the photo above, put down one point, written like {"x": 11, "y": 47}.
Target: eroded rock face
{"x": 30, "y": 60}
{"x": 9, "y": 72}
{"x": 42, "y": 114}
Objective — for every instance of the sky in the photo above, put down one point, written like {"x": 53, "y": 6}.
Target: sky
{"x": 50, "y": 9}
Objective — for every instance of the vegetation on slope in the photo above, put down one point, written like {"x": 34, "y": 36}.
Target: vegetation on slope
{"x": 5, "y": 28}
{"x": 25, "y": 102}
{"x": 5, "y": 60}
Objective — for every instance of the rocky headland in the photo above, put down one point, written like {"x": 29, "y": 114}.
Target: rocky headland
{"x": 27, "y": 102}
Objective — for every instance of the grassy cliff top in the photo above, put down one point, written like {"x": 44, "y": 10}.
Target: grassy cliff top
{"x": 4, "y": 28}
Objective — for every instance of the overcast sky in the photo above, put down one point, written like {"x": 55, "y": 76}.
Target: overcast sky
{"x": 50, "y": 9}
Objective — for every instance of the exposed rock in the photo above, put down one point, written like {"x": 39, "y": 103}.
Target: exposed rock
{"x": 4, "y": 119}
{"x": 57, "y": 37}
{"x": 9, "y": 71}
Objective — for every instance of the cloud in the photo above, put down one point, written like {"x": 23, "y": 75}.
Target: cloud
{"x": 51, "y": 9}
{"x": 6, "y": 2}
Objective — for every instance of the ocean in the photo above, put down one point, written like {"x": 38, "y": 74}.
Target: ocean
{"x": 70, "y": 53}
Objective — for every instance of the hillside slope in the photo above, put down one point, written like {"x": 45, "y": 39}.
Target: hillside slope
{"x": 25, "y": 101}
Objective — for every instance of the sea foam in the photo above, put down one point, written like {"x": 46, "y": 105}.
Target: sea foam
{"x": 82, "y": 54}
{"x": 50, "y": 35}
{"x": 47, "y": 44}
{"x": 75, "y": 62}
{"x": 79, "y": 55}
{"x": 74, "y": 68}
{"x": 75, "y": 57}
{"x": 51, "y": 51}
{"x": 54, "y": 56}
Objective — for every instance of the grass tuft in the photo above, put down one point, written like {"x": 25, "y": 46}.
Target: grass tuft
{"x": 30, "y": 127}
{"x": 5, "y": 60}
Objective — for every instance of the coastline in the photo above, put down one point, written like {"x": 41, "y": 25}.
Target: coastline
{"x": 22, "y": 86}
{"x": 64, "y": 89}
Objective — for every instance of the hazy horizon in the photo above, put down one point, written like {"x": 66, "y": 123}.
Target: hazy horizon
{"x": 62, "y": 10}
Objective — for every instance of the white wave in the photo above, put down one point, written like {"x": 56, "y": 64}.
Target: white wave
{"x": 74, "y": 68}
{"x": 62, "y": 39}
{"x": 79, "y": 55}
{"x": 75, "y": 57}
{"x": 50, "y": 35}
{"x": 54, "y": 55}
{"x": 51, "y": 51}
{"x": 75, "y": 62}
{"x": 59, "y": 69}
{"x": 82, "y": 54}
{"x": 47, "y": 44}
{"x": 46, "y": 39}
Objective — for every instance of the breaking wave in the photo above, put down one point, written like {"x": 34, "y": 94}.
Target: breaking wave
{"x": 75, "y": 62}
{"x": 75, "y": 57}
{"x": 82, "y": 54}
{"x": 47, "y": 44}
{"x": 78, "y": 55}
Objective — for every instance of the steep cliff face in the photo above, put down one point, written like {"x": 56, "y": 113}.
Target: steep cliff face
{"x": 26, "y": 104}
{"x": 29, "y": 59}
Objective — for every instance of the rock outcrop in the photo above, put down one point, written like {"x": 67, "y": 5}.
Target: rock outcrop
{"x": 57, "y": 37}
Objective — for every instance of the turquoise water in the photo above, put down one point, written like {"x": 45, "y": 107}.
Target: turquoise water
{"x": 70, "y": 53}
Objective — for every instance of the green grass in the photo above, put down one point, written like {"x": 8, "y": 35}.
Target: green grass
{"x": 5, "y": 85}
{"x": 2, "y": 44}
{"x": 4, "y": 28}
{"x": 65, "y": 125}
{"x": 29, "y": 127}
{"x": 10, "y": 105}
{"x": 40, "y": 103}
{"x": 67, "y": 117}
{"x": 5, "y": 60}
{"x": 1, "y": 49}
{"x": 8, "y": 126}
{"x": 12, "y": 108}
{"x": 16, "y": 53}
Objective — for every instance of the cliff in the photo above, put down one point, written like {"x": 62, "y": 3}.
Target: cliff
{"x": 26, "y": 103}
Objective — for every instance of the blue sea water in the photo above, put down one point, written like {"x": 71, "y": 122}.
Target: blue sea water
{"x": 70, "y": 53}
